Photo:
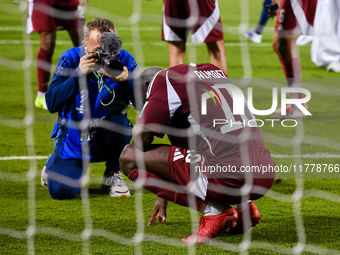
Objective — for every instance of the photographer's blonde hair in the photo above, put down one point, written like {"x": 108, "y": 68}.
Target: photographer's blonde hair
{"x": 103, "y": 25}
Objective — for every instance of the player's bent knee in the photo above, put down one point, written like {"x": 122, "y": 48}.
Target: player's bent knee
{"x": 127, "y": 159}
{"x": 275, "y": 46}
{"x": 61, "y": 191}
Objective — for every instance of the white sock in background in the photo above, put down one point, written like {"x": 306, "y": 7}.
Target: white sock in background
{"x": 213, "y": 209}
{"x": 41, "y": 94}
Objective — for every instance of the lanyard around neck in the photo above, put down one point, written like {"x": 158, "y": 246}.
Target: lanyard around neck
{"x": 101, "y": 84}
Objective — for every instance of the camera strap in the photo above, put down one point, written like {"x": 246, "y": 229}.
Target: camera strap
{"x": 101, "y": 84}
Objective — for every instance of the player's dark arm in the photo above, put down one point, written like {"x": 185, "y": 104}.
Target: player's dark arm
{"x": 65, "y": 81}
{"x": 142, "y": 138}
{"x": 159, "y": 211}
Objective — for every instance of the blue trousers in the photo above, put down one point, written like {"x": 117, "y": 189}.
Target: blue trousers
{"x": 264, "y": 15}
{"x": 65, "y": 175}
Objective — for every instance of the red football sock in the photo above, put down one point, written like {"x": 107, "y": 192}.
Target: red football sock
{"x": 292, "y": 71}
{"x": 170, "y": 195}
{"x": 283, "y": 66}
{"x": 43, "y": 69}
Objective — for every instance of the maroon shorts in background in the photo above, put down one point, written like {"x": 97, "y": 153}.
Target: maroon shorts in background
{"x": 42, "y": 16}
{"x": 208, "y": 27}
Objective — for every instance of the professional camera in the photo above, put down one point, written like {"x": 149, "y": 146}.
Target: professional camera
{"x": 111, "y": 45}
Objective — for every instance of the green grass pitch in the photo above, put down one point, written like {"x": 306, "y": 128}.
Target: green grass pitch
{"x": 60, "y": 224}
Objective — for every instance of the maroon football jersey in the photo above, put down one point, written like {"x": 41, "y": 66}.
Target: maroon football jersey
{"x": 287, "y": 20}
{"x": 199, "y": 101}
{"x": 58, "y": 3}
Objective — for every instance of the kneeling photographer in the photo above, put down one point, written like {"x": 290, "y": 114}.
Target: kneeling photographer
{"x": 95, "y": 83}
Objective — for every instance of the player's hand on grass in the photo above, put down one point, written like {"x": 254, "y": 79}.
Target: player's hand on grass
{"x": 88, "y": 63}
{"x": 159, "y": 211}
{"x": 122, "y": 77}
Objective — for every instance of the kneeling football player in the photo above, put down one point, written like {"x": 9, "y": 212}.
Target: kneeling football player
{"x": 210, "y": 148}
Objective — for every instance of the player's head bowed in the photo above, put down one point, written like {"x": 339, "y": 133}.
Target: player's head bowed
{"x": 142, "y": 83}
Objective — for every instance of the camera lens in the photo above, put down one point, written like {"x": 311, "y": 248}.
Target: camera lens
{"x": 113, "y": 67}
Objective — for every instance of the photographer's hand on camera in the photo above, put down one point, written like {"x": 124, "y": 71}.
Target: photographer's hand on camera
{"x": 122, "y": 77}
{"x": 88, "y": 63}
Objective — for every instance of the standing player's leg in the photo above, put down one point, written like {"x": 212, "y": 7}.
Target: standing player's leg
{"x": 216, "y": 219}
{"x": 256, "y": 36}
{"x": 286, "y": 32}
{"x": 81, "y": 21}
{"x": 75, "y": 36}
{"x": 288, "y": 27}
{"x": 291, "y": 66}
{"x": 209, "y": 29}
{"x": 284, "y": 46}
{"x": 73, "y": 26}
{"x": 44, "y": 61}
{"x": 175, "y": 14}
{"x": 217, "y": 55}
{"x": 176, "y": 52}
{"x": 40, "y": 21}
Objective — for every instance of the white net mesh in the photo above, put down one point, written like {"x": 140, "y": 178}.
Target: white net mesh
{"x": 135, "y": 23}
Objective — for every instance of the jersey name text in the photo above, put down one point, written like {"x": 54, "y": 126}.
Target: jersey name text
{"x": 211, "y": 74}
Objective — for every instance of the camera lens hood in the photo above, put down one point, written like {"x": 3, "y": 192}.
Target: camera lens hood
{"x": 113, "y": 66}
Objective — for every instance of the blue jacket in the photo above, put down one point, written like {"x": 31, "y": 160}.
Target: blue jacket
{"x": 67, "y": 97}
